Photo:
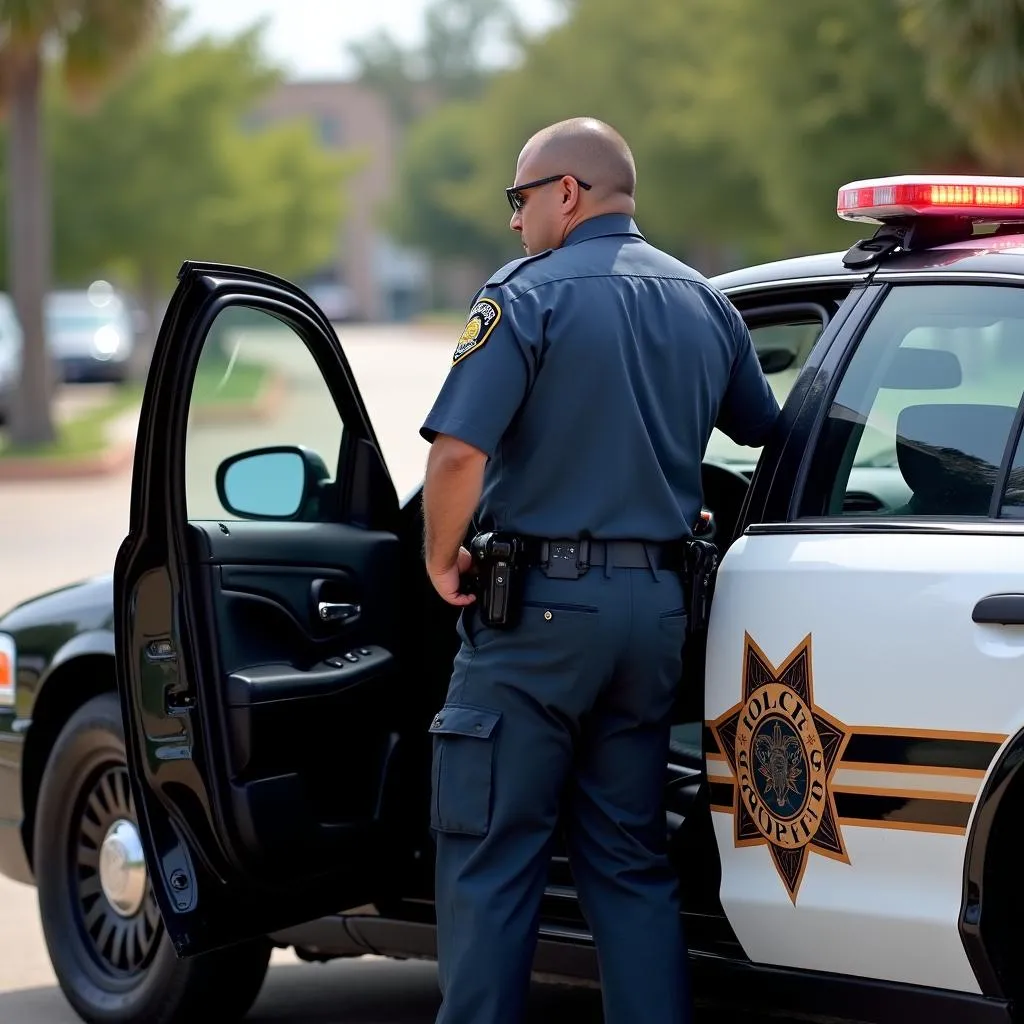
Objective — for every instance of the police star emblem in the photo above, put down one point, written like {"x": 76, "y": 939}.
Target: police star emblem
{"x": 483, "y": 318}
{"x": 783, "y": 750}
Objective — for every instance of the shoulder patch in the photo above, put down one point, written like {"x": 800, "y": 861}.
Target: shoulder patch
{"x": 501, "y": 276}
{"x": 483, "y": 318}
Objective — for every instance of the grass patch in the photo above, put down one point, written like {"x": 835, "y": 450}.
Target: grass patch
{"x": 243, "y": 384}
{"x": 85, "y": 434}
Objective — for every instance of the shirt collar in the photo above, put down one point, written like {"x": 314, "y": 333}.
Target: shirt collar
{"x": 605, "y": 224}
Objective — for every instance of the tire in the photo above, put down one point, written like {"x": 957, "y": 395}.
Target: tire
{"x": 113, "y": 968}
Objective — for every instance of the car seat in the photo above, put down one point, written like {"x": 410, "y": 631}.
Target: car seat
{"x": 949, "y": 455}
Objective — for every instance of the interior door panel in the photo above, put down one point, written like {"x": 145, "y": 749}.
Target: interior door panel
{"x": 286, "y": 678}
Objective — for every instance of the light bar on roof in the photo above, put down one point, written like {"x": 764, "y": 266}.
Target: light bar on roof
{"x": 977, "y": 198}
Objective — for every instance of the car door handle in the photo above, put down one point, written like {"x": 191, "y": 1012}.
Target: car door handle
{"x": 331, "y": 612}
{"x": 1001, "y": 609}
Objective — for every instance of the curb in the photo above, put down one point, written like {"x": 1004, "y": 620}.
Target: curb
{"x": 115, "y": 459}
{"x": 119, "y": 455}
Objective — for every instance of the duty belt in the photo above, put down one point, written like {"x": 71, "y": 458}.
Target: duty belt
{"x": 498, "y": 561}
{"x": 582, "y": 553}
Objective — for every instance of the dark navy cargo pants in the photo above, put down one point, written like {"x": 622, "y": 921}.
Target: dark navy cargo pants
{"x": 565, "y": 718}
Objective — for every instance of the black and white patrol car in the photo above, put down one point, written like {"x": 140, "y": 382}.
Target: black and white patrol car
{"x": 844, "y": 787}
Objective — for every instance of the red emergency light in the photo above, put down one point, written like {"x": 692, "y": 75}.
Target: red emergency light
{"x": 976, "y": 198}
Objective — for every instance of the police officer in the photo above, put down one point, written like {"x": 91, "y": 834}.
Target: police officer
{"x": 580, "y": 400}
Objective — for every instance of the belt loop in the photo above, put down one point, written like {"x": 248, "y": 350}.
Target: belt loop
{"x": 607, "y": 559}
{"x": 650, "y": 562}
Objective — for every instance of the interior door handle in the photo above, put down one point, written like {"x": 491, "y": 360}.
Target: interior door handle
{"x": 1001, "y": 609}
{"x": 331, "y": 612}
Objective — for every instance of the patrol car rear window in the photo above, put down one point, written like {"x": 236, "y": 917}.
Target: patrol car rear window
{"x": 926, "y": 409}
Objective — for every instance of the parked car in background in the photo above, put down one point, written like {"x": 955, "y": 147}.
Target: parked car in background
{"x": 10, "y": 354}
{"x": 90, "y": 332}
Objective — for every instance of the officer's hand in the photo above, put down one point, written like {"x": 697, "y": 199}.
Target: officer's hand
{"x": 447, "y": 580}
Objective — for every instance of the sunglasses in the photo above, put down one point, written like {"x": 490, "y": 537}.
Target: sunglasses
{"x": 516, "y": 201}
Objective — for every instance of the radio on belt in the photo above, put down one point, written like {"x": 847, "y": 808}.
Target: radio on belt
{"x": 497, "y": 560}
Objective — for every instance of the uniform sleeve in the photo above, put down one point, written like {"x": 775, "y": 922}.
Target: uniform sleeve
{"x": 489, "y": 375}
{"x": 749, "y": 409}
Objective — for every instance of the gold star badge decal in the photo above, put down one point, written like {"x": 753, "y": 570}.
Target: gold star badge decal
{"x": 783, "y": 751}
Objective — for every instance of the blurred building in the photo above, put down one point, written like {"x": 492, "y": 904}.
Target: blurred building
{"x": 372, "y": 277}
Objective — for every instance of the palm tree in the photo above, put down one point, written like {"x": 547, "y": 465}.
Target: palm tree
{"x": 93, "y": 40}
{"x": 974, "y": 52}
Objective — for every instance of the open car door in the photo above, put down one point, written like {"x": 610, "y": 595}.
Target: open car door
{"x": 256, "y": 619}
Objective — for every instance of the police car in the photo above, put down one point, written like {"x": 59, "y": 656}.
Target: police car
{"x": 844, "y": 780}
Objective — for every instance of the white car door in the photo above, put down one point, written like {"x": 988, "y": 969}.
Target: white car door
{"x": 860, "y": 686}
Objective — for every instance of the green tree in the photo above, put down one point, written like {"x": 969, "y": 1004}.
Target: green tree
{"x": 974, "y": 55}
{"x": 807, "y": 98}
{"x": 96, "y": 39}
{"x": 744, "y": 119}
{"x": 443, "y": 76}
{"x": 437, "y": 164}
{"x": 449, "y": 64}
{"x": 177, "y": 164}
{"x": 603, "y": 65}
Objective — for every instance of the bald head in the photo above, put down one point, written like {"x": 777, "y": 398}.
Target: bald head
{"x": 567, "y": 173}
{"x": 587, "y": 149}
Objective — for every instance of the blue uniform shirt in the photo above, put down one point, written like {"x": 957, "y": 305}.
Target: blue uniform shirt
{"x": 591, "y": 376}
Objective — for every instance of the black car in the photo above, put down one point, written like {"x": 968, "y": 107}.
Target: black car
{"x": 226, "y": 745}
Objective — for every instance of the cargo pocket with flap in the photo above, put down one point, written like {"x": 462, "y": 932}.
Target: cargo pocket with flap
{"x": 463, "y": 762}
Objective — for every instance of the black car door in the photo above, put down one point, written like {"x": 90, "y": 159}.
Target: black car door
{"x": 257, "y": 600}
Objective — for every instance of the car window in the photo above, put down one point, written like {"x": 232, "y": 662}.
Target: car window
{"x": 773, "y": 337}
{"x": 257, "y": 386}
{"x": 925, "y": 408}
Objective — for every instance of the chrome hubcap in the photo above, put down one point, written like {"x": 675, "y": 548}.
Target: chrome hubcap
{"x": 123, "y": 868}
{"x": 116, "y": 911}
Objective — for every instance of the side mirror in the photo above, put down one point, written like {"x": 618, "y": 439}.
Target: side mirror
{"x": 775, "y": 360}
{"x": 270, "y": 483}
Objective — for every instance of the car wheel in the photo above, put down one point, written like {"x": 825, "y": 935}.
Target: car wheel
{"x": 103, "y": 931}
